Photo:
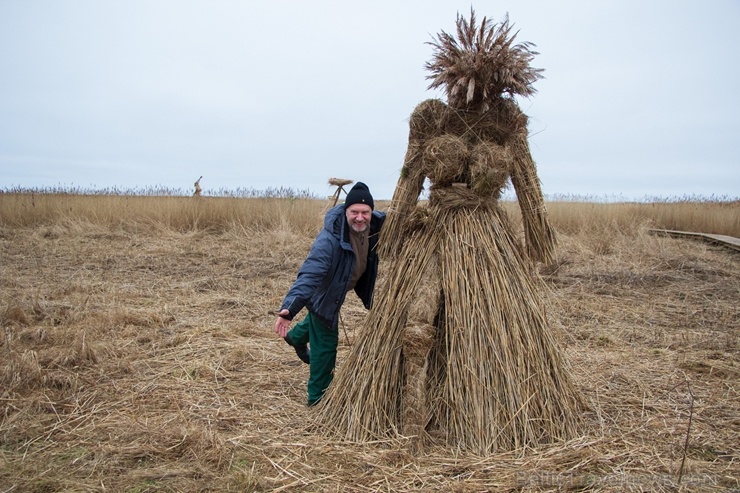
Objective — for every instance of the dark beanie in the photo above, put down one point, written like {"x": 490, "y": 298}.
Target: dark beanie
{"x": 359, "y": 194}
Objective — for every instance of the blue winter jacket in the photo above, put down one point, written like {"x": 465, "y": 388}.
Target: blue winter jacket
{"x": 322, "y": 281}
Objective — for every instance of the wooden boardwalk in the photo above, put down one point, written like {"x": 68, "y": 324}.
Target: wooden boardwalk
{"x": 722, "y": 240}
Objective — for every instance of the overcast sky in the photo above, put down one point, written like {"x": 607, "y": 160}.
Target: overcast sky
{"x": 640, "y": 98}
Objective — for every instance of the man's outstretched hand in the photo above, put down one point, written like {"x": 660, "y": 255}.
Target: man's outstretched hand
{"x": 282, "y": 324}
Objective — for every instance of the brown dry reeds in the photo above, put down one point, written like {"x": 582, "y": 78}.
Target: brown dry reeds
{"x": 130, "y": 213}
{"x": 539, "y": 235}
{"x": 403, "y": 203}
{"x": 490, "y": 169}
{"x": 191, "y": 390}
{"x": 482, "y": 62}
{"x": 427, "y": 119}
{"x": 432, "y": 118}
{"x": 506, "y": 384}
{"x": 498, "y": 124}
{"x": 445, "y": 159}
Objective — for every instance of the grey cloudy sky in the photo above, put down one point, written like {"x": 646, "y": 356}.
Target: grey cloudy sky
{"x": 640, "y": 98}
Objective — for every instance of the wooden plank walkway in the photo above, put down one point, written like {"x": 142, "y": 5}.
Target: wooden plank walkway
{"x": 722, "y": 240}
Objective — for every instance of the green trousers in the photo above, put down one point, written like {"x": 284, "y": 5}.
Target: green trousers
{"x": 323, "y": 343}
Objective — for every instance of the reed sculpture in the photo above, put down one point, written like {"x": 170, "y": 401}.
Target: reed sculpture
{"x": 457, "y": 348}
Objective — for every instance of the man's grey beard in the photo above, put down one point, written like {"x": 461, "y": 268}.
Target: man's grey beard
{"x": 354, "y": 228}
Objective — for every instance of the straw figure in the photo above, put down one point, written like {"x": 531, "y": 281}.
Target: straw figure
{"x": 198, "y": 190}
{"x": 457, "y": 346}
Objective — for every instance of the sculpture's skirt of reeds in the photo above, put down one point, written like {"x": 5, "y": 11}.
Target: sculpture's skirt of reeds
{"x": 457, "y": 346}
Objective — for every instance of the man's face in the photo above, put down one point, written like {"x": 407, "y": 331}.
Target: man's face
{"x": 358, "y": 217}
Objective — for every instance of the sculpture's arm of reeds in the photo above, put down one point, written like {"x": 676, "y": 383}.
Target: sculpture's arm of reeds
{"x": 403, "y": 204}
{"x": 425, "y": 123}
{"x": 538, "y": 234}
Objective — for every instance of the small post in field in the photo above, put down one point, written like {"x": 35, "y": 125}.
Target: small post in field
{"x": 339, "y": 183}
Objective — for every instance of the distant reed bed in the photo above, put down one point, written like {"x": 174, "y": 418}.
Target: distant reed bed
{"x": 300, "y": 211}
{"x": 164, "y": 191}
{"x": 138, "y": 213}
{"x": 716, "y": 217}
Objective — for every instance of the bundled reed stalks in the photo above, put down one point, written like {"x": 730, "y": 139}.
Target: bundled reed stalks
{"x": 403, "y": 202}
{"x": 500, "y": 380}
{"x": 540, "y": 237}
{"x": 457, "y": 346}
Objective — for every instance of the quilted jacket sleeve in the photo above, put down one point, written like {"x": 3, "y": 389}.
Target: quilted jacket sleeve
{"x": 311, "y": 275}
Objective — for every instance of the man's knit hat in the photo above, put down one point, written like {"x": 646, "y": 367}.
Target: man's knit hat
{"x": 359, "y": 194}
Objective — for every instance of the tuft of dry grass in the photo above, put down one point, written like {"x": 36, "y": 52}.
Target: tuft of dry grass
{"x": 143, "y": 359}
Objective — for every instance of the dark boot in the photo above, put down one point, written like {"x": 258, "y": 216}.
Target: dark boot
{"x": 304, "y": 354}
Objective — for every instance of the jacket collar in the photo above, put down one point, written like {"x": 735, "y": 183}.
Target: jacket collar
{"x": 335, "y": 222}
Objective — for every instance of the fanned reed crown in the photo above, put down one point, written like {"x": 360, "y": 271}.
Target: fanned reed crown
{"x": 483, "y": 63}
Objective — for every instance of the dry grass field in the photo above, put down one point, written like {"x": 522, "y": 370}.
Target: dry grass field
{"x": 138, "y": 353}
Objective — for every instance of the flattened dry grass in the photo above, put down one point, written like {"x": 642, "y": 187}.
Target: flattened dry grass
{"x": 143, "y": 359}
